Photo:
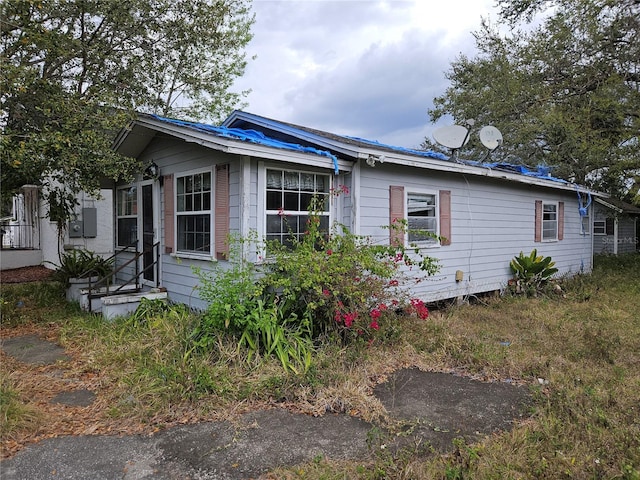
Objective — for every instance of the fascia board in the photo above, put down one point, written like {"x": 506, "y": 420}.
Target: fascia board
{"x": 460, "y": 168}
{"x": 608, "y": 205}
{"x": 237, "y": 147}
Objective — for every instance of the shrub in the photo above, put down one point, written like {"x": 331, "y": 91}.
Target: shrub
{"x": 531, "y": 272}
{"x": 325, "y": 284}
{"x": 80, "y": 263}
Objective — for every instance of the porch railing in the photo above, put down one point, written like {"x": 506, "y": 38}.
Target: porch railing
{"x": 108, "y": 282}
{"x": 19, "y": 236}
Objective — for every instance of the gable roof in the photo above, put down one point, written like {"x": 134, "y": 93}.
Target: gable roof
{"x": 619, "y": 206}
{"x": 134, "y": 139}
{"x": 371, "y": 151}
{"x": 244, "y": 133}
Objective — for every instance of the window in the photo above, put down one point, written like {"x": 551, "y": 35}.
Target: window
{"x": 422, "y": 217}
{"x": 599, "y": 227}
{"x": 193, "y": 213}
{"x": 127, "y": 216}
{"x": 289, "y": 197}
{"x": 549, "y": 221}
{"x": 585, "y": 224}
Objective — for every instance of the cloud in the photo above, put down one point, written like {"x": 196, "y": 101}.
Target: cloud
{"x": 362, "y": 68}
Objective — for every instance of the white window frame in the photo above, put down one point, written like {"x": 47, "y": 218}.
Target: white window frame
{"x": 133, "y": 215}
{"x": 556, "y": 208}
{"x": 265, "y": 212}
{"x": 178, "y": 214}
{"x": 429, "y": 242}
{"x": 600, "y": 225}
{"x": 585, "y": 224}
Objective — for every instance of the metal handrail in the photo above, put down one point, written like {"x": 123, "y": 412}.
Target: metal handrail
{"x": 155, "y": 264}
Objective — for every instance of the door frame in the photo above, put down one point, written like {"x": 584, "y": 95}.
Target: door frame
{"x": 155, "y": 211}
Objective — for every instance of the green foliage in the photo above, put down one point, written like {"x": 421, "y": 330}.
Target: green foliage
{"x": 564, "y": 93}
{"x": 75, "y": 73}
{"x": 321, "y": 285}
{"x": 531, "y": 271}
{"x": 81, "y": 263}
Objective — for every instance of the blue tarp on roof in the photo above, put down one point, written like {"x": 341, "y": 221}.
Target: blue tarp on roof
{"x": 422, "y": 153}
{"x": 252, "y": 136}
{"x": 541, "y": 171}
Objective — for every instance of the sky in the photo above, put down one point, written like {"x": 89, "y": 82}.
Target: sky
{"x": 365, "y": 68}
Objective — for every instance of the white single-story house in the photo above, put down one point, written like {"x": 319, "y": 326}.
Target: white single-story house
{"x": 204, "y": 182}
{"x": 616, "y": 227}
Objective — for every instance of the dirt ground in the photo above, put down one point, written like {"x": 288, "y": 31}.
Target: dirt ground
{"x": 25, "y": 274}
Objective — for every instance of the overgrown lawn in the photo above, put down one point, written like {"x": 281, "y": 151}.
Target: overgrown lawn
{"x": 579, "y": 353}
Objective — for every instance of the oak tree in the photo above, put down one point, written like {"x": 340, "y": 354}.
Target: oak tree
{"x": 561, "y": 80}
{"x": 74, "y": 72}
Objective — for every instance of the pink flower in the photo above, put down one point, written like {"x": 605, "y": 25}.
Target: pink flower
{"x": 337, "y": 316}
{"x": 329, "y": 252}
{"x": 374, "y": 324}
{"x": 420, "y": 308}
{"x": 383, "y": 306}
{"x": 345, "y": 189}
{"x": 375, "y": 314}
{"x": 325, "y": 292}
{"x": 393, "y": 283}
{"x": 281, "y": 211}
{"x": 349, "y": 318}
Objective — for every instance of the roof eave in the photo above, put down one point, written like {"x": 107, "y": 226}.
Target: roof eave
{"x": 231, "y": 146}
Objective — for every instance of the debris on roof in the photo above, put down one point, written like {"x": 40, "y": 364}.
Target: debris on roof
{"x": 252, "y": 136}
{"x": 541, "y": 171}
{"x": 422, "y": 153}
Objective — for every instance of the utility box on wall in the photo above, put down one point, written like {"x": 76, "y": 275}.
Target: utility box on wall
{"x": 75, "y": 229}
{"x": 87, "y": 227}
{"x": 90, "y": 219}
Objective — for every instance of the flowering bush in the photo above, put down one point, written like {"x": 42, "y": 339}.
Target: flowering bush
{"x": 330, "y": 284}
{"x": 344, "y": 282}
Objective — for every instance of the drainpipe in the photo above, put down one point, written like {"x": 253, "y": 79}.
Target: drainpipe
{"x": 615, "y": 235}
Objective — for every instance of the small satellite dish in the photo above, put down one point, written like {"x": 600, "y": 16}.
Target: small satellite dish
{"x": 490, "y": 137}
{"x": 452, "y": 136}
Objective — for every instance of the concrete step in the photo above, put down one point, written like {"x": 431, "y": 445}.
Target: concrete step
{"x": 122, "y": 305}
{"x": 92, "y": 302}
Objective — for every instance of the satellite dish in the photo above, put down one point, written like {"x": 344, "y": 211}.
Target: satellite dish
{"x": 490, "y": 137}
{"x": 453, "y": 136}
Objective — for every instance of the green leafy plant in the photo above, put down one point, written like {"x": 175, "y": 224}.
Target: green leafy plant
{"x": 319, "y": 285}
{"x": 80, "y": 263}
{"x": 531, "y": 272}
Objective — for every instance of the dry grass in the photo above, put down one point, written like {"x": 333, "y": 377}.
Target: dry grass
{"x": 584, "y": 346}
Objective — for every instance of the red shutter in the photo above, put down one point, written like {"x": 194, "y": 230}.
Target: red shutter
{"x": 396, "y": 213}
{"x": 445, "y": 217}
{"x": 168, "y": 213}
{"x": 560, "y": 220}
{"x": 538, "y": 222}
{"x": 221, "y": 220}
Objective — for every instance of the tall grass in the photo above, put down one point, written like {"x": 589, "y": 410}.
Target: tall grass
{"x": 579, "y": 353}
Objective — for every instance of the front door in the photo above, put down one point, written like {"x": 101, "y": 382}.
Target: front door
{"x": 149, "y": 230}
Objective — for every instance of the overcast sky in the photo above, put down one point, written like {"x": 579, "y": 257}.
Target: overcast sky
{"x": 364, "y": 68}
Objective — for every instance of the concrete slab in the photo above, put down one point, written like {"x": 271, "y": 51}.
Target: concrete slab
{"x": 33, "y": 349}
{"x": 440, "y": 407}
{"x": 436, "y": 407}
{"x": 75, "y": 398}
